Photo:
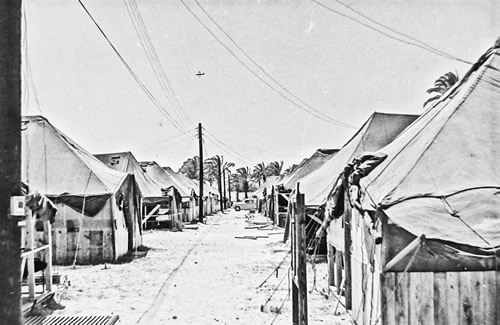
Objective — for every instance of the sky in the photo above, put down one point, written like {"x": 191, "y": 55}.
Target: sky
{"x": 245, "y": 92}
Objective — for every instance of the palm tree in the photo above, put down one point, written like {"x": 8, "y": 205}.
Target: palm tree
{"x": 235, "y": 183}
{"x": 191, "y": 167}
{"x": 214, "y": 166}
{"x": 226, "y": 169}
{"x": 441, "y": 85}
{"x": 244, "y": 173}
{"x": 210, "y": 170}
{"x": 274, "y": 168}
{"x": 259, "y": 172}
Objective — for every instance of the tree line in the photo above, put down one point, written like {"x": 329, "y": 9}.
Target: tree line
{"x": 228, "y": 178}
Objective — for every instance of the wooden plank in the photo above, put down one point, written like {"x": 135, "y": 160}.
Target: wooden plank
{"x": 71, "y": 239}
{"x": 388, "y": 308}
{"x": 28, "y": 253}
{"x": 357, "y": 291}
{"x": 415, "y": 244}
{"x": 300, "y": 224}
{"x": 425, "y": 288}
{"x": 331, "y": 265}
{"x": 439, "y": 299}
{"x": 96, "y": 246}
{"x": 401, "y": 299}
{"x": 60, "y": 245}
{"x": 478, "y": 297}
{"x": 465, "y": 297}
{"x": 497, "y": 293}
{"x": 83, "y": 253}
{"x": 452, "y": 298}
{"x": 48, "y": 257}
{"x": 490, "y": 297}
{"x": 30, "y": 247}
{"x": 347, "y": 252}
{"x": 150, "y": 214}
{"x": 316, "y": 219}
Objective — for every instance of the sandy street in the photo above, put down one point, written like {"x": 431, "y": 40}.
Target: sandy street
{"x": 203, "y": 276}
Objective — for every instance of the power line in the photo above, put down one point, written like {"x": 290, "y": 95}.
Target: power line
{"x": 170, "y": 141}
{"x": 425, "y": 46}
{"x": 133, "y": 74}
{"x": 229, "y": 149}
{"x": 28, "y": 72}
{"x": 400, "y": 33}
{"x": 150, "y": 51}
{"x": 301, "y": 107}
{"x": 226, "y": 149}
{"x": 265, "y": 72}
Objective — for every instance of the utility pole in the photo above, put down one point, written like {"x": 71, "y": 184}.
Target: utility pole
{"x": 219, "y": 167}
{"x": 10, "y": 160}
{"x": 229, "y": 186}
{"x": 200, "y": 141}
{"x": 224, "y": 183}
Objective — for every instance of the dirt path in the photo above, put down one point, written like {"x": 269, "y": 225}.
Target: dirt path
{"x": 203, "y": 276}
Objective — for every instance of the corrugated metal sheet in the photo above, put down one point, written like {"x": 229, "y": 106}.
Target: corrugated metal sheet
{"x": 71, "y": 320}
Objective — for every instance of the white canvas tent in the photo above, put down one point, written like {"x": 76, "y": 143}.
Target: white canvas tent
{"x": 98, "y": 216}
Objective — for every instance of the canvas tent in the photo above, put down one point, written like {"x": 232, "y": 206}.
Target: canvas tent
{"x": 426, "y": 224}
{"x": 379, "y": 130}
{"x": 307, "y": 166}
{"x": 157, "y": 199}
{"x": 287, "y": 183}
{"x": 97, "y": 218}
{"x": 152, "y": 191}
{"x": 186, "y": 192}
{"x": 266, "y": 186}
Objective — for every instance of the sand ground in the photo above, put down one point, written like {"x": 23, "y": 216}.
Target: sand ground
{"x": 202, "y": 276}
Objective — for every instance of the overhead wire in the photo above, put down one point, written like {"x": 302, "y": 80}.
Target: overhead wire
{"x": 151, "y": 97}
{"x": 150, "y": 51}
{"x": 29, "y": 80}
{"x": 420, "y": 44}
{"x": 172, "y": 139}
{"x": 225, "y": 147}
{"x": 226, "y": 150}
{"x": 400, "y": 33}
{"x": 268, "y": 84}
{"x": 332, "y": 120}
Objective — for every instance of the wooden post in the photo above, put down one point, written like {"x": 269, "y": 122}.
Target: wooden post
{"x": 30, "y": 259}
{"x": 299, "y": 264}
{"x": 47, "y": 227}
{"x": 10, "y": 160}
{"x": 331, "y": 264}
{"x": 200, "y": 144}
{"x": 347, "y": 252}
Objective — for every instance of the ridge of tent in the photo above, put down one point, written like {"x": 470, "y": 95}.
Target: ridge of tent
{"x": 80, "y": 154}
{"x": 431, "y": 126}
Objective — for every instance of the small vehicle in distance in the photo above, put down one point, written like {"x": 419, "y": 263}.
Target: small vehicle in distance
{"x": 246, "y": 204}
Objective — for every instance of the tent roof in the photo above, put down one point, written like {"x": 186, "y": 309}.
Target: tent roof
{"x": 445, "y": 165}
{"x": 160, "y": 175}
{"x": 307, "y": 166}
{"x": 270, "y": 181}
{"x": 126, "y": 162}
{"x": 182, "y": 179}
{"x": 379, "y": 130}
{"x": 54, "y": 164}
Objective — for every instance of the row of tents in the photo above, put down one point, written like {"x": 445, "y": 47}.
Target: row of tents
{"x": 411, "y": 208}
{"x": 103, "y": 201}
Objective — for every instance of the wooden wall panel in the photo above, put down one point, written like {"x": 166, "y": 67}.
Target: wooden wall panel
{"x": 440, "y": 298}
